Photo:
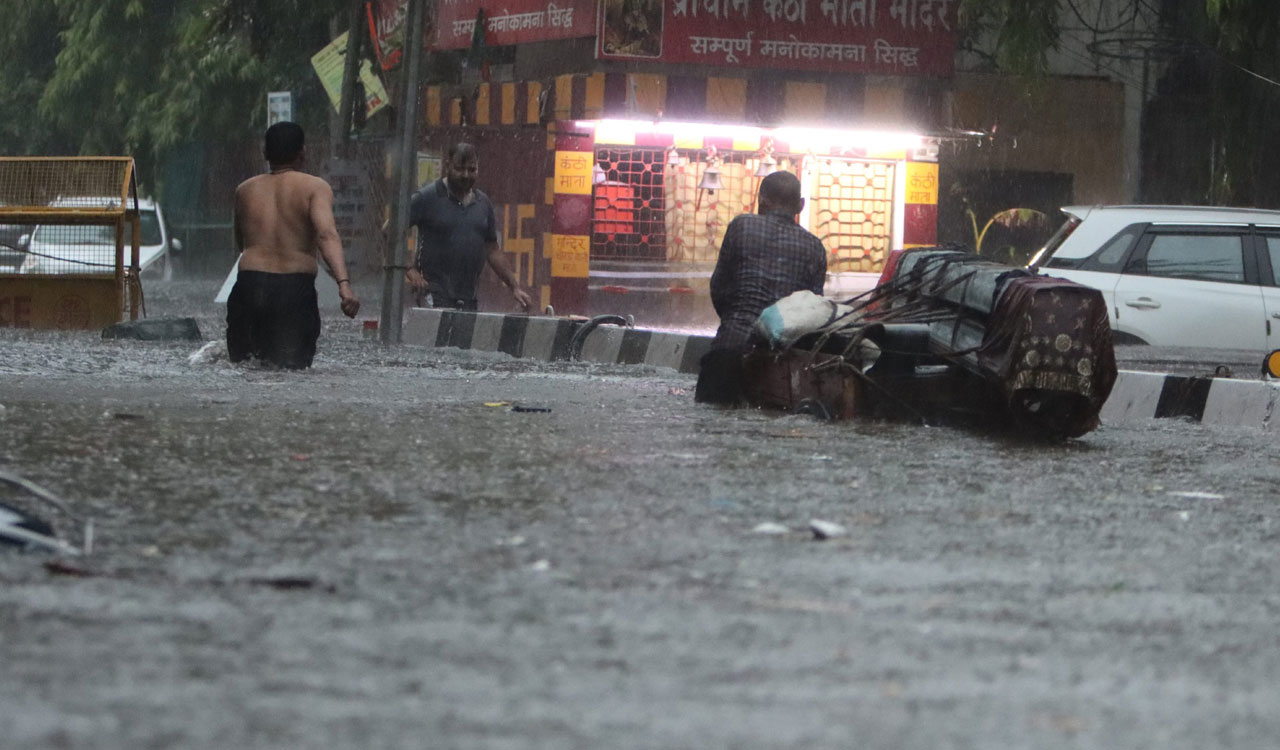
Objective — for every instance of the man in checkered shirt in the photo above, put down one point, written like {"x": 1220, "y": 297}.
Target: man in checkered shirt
{"x": 763, "y": 258}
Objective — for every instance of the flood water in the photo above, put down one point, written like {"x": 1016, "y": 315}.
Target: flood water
{"x": 384, "y": 552}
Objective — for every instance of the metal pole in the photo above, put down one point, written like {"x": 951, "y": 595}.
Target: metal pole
{"x": 404, "y": 172}
{"x": 350, "y": 68}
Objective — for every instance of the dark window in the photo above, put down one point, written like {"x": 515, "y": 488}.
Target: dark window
{"x": 1111, "y": 255}
{"x": 1207, "y": 257}
{"x": 1273, "y": 252}
{"x": 150, "y": 228}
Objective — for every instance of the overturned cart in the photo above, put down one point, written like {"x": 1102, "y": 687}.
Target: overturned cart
{"x": 950, "y": 337}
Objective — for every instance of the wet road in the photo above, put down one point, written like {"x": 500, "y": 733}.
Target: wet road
{"x": 371, "y": 555}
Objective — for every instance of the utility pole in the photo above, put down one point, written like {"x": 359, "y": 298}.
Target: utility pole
{"x": 404, "y": 173}
{"x": 350, "y": 69}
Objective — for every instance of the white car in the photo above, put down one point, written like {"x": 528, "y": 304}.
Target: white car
{"x": 63, "y": 248}
{"x": 1183, "y": 276}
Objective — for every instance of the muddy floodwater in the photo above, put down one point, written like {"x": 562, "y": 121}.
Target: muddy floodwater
{"x": 411, "y": 547}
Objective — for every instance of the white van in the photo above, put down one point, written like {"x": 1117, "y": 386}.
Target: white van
{"x": 1183, "y": 276}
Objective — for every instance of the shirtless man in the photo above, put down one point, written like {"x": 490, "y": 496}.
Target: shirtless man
{"x": 281, "y": 219}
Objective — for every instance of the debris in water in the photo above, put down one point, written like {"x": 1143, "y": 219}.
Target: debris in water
{"x": 155, "y": 329}
{"x": 20, "y": 527}
{"x": 60, "y": 568}
{"x": 769, "y": 527}
{"x": 826, "y": 529}
{"x": 287, "y": 583}
{"x": 530, "y": 409}
{"x": 1192, "y": 495}
{"x": 211, "y": 352}
{"x": 497, "y": 403}
{"x": 541, "y": 565}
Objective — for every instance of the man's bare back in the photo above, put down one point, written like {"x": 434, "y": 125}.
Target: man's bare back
{"x": 282, "y": 219}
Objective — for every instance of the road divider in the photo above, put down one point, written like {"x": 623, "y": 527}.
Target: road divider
{"x": 550, "y": 338}
{"x": 1136, "y": 396}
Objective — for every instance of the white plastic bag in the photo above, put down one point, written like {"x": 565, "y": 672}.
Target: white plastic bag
{"x": 798, "y": 314}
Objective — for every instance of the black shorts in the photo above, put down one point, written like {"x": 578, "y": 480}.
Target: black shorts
{"x": 274, "y": 318}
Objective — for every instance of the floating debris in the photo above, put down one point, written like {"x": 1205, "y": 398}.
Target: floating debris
{"x": 155, "y": 329}
{"x": 61, "y": 568}
{"x": 769, "y": 527}
{"x": 287, "y": 583}
{"x": 530, "y": 409}
{"x": 22, "y": 528}
{"x": 211, "y": 352}
{"x": 1193, "y": 495}
{"x": 826, "y": 529}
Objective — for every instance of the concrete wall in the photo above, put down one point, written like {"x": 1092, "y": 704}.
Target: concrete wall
{"x": 1066, "y": 125}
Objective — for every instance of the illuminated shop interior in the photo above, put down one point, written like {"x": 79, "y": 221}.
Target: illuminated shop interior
{"x": 665, "y": 191}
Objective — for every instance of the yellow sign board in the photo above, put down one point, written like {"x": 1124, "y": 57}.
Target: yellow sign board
{"x": 922, "y": 182}
{"x": 329, "y": 63}
{"x": 429, "y": 169}
{"x": 573, "y": 172}
{"x": 570, "y": 256}
{"x": 65, "y": 302}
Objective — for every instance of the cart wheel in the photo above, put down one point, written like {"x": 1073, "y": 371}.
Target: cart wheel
{"x": 814, "y": 408}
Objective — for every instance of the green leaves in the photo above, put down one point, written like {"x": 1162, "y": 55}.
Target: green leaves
{"x": 1023, "y": 32}
{"x": 141, "y": 77}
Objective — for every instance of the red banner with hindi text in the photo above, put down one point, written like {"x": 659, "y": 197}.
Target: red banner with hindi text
{"x": 890, "y": 37}
{"x": 512, "y": 21}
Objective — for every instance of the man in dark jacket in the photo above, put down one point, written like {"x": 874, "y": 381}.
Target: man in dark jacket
{"x": 763, "y": 258}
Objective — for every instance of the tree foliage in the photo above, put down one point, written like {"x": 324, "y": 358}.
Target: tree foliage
{"x": 1023, "y": 32}
{"x": 141, "y": 77}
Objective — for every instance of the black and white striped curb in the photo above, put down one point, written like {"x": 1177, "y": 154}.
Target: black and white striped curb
{"x": 1224, "y": 401}
{"x": 549, "y": 339}
{"x": 1136, "y": 396}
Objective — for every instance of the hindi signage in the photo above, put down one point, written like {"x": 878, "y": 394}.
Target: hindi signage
{"x": 279, "y": 107}
{"x": 891, "y": 37}
{"x": 570, "y": 256}
{"x": 573, "y": 172}
{"x": 329, "y": 63}
{"x": 386, "y": 30}
{"x": 512, "y": 21}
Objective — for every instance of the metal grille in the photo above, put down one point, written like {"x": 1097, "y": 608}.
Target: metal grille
{"x": 648, "y": 206}
{"x": 70, "y": 214}
{"x": 852, "y": 212}
{"x": 628, "y": 205}
{"x": 37, "y": 182}
{"x": 75, "y": 248}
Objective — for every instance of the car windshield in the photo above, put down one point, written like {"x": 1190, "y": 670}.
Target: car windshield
{"x": 77, "y": 234}
{"x": 51, "y": 234}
